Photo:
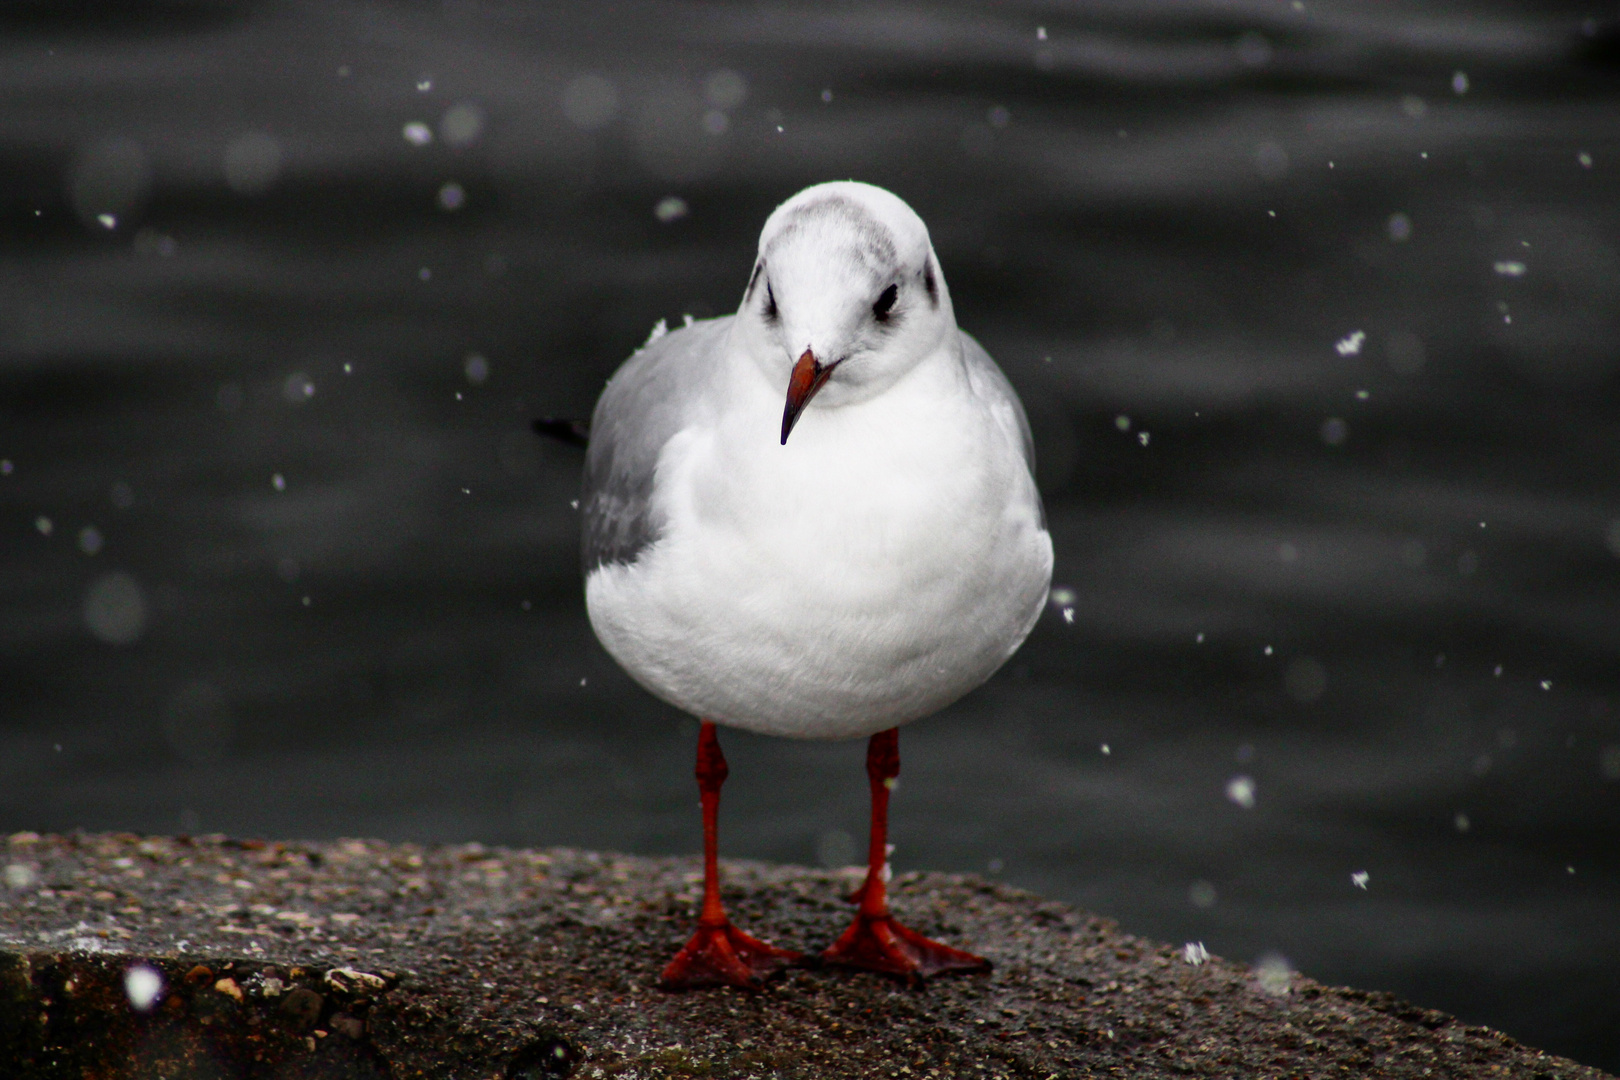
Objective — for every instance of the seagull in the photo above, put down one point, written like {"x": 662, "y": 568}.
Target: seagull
{"x": 866, "y": 572}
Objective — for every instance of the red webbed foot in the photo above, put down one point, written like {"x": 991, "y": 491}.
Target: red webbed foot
{"x": 879, "y": 943}
{"x": 723, "y": 955}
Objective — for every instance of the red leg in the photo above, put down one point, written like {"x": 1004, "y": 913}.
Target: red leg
{"x": 719, "y": 954}
{"x": 875, "y": 941}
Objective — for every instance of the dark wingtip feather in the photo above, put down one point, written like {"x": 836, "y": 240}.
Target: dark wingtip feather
{"x": 571, "y": 432}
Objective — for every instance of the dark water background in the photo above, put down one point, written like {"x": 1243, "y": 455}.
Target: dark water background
{"x": 1382, "y": 586}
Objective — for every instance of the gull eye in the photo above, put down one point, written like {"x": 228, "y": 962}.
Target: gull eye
{"x": 885, "y": 303}
{"x": 770, "y": 303}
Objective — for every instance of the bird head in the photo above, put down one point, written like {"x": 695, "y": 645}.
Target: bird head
{"x": 846, "y": 297}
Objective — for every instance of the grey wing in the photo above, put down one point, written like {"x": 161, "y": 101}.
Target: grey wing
{"x": 651, "y": 398}
{"x": 992, "y": 386}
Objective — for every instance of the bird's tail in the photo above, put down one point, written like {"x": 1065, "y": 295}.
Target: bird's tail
{"x": 571, "y": 432}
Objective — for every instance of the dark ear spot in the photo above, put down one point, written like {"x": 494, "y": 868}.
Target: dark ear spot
{"x": 929, "y": 283}
{"x": 753, "y": 279}
{"x": 770, "y": 303}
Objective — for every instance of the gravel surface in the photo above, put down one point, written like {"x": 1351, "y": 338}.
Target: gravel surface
{"x": 132, "y": 956}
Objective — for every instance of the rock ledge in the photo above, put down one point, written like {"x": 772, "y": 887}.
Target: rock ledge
{"x": 125, "y": 956}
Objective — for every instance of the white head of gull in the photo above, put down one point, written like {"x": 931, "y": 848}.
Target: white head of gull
{"x": 816, "y": 518}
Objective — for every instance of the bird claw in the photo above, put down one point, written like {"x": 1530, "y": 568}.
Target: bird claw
{"x": 724, "y": 956}
{"x": 879, "y": 943}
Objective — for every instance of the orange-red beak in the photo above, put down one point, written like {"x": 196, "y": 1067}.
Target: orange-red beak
{"x": 808, "y": 376}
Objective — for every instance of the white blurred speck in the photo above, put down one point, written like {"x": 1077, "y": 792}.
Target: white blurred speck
{"x": 44, "y": 525}
{"x": 115, "y": 609}
{"x": 1546, "y": 684}
{"x": 1274, "y": 974}
{"x": 252, "y": 163}
{"x": 1253, "y": 50}
{"x": 670, "y": 208}
{"x": 1414, "y": 106}
{"x": 90, "y": 540}
{"x": 1267, "y": 650}
{"x": 417, "y": 133}
{"x": 1199, "y": 637}
{"x": 1068, "y": 615}
{"x": 278, "y": 482}
{"x": 20, "y": 876}
{"x": 1459, "y": 83}
{"x": 1106, "y": 750}
{"x": 1360, "y": 878}
{"x": 995, "y": 866}
{"x": 452, "y": 196}
{"x": 1063, "y": 596}
{"x": 1585, "y": 159}
{"x": 1240, "y": 790}
{"x": 1271, "y": 162}
{"x": 826, "y": 97}
{"x": 716, "y": 122}
{"x": 297, "y": 388}
{"x": 109, "y": 178}
{"x": 1461, "y": 822}
{"x": 590, "y": 101}
{"x": 1350, "y": 345}
{"x": 1510, "y": 268}
{"x": 1363, "y": 395}
{"x": 1194, "y": 953}
{"x": 725, "y": 89}
{"x": 461, "y": 124}
{"x": 476, "y": 369}
{"x": 1122, "y": 422}
{"x": 1400, "y": 228}
{"x": 1202, "y": 894}
{"x": 424, "y": 85}
{"x": 142, "y": 984}
{"x": 1143, "y": 437}
{"x": 425, "y": 274}
{"x": 1040, "y": 33}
